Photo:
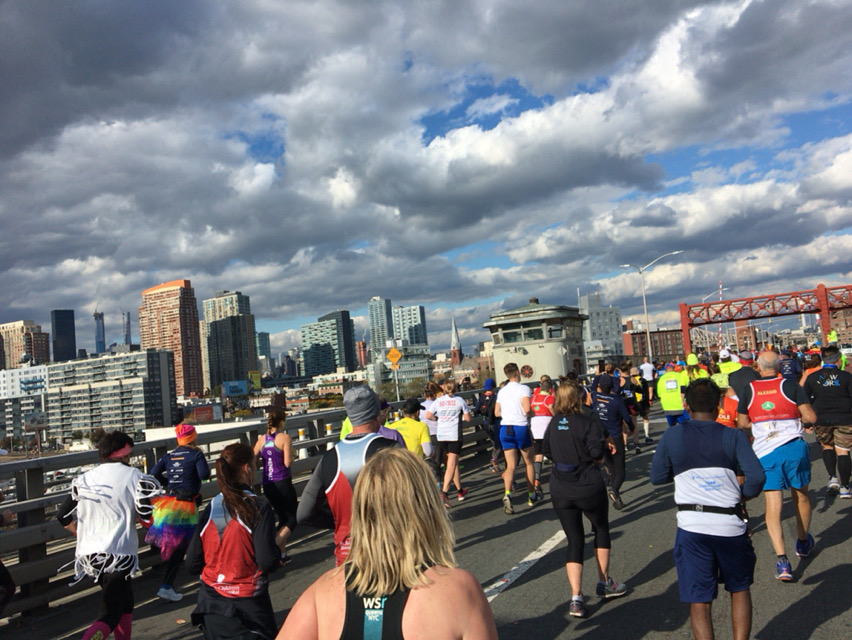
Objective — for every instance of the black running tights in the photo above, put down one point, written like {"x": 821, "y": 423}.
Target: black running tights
{"x": 596, "y": 509}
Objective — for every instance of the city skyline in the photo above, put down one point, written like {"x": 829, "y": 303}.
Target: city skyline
{"x": 458, "y": 156}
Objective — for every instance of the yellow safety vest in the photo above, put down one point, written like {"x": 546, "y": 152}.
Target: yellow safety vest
{"x": 668, "y": 391}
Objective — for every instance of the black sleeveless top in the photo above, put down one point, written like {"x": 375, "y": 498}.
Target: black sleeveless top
{"x": 369, "y": 618}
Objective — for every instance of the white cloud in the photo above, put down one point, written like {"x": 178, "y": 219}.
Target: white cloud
{"x": 280, "y": 151}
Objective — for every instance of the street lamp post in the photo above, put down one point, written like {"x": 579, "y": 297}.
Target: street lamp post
{"x": 713, "y": 293}
{"x": 641, "y": 271}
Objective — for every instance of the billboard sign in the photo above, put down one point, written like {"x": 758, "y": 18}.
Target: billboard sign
{"x": 235, "y": 388}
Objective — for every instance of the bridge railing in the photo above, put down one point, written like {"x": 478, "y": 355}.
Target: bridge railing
{"x": 44, "y": 548}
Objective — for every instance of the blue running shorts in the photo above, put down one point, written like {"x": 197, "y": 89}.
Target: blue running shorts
{"x": 520, "y": 439}
{"x": 703, "y": 561}
{"x": 788, "y": 466}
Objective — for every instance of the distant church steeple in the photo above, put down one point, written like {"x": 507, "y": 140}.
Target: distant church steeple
{"x": 456, "y": 354}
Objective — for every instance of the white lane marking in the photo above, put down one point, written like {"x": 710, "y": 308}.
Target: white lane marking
{"x": 523, "y": 566}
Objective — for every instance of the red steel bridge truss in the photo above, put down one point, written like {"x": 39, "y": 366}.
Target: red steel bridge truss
{"x": 822, "y": 300}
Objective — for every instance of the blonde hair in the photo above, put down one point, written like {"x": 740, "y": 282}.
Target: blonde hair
{"x": 274, "y": 420}
{"x": 399, "y": 529}
{"x": 449, "y": 386}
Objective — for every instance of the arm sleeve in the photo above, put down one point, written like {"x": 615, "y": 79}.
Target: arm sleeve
{"x": 195, "y": 552}
{"x": 66, "y": 510}
{"x": 313, "y": 508}
{"x": 595, "y": 441}
{"x": 266, "y": 552}
{"x": 661, "y": 466}
{"x": 202, "y": 467}
{"x": 545, "y": 441}
{"x": 744, "y": 455}
{"x": 158, "y": 470}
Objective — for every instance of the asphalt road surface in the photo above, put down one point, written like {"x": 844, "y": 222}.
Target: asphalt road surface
{"x": 520, "y": 562}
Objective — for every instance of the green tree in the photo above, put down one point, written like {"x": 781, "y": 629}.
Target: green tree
{"x": 387, "y": 390}
{"x": 413, "y": 388}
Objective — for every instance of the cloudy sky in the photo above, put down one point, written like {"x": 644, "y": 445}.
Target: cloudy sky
{"x": 464, "y": 155}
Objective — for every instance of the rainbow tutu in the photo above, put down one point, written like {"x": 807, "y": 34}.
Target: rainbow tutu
{"x": 174, "y": 524}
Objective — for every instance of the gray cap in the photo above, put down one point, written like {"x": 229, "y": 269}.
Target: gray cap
{"x": 361, "y": 404}
{"x": 746, "y": 355}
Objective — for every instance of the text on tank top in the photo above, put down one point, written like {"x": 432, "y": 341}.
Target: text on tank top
{"x": 378, "y": 618}
{"x": 273, "y": 461}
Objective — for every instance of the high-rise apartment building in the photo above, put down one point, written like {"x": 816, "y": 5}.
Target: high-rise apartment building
{"x": 21, "y": 392}
{"x": 127, "y": 391}
{"x": 361, "y": 353}
{"x": 329, "y": 343}
{"x": 168, "y": 319}
{"x": 602, "y": 331}
{"x": 125, "y": 328}
{"x": 100, "y": 332}
{"x": 64, "y": 334}
{"x": 24, "y": 337}
{"x": 409, "y": 323}
{"x": 381, "y": 323}
{"x": 229, "y": 338}
{"x": 263, "y": 346}
{"x": 345, "y": 351}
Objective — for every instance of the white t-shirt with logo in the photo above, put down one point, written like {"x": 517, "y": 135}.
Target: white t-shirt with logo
{"x": 509, "y": 398}
{"x": 447, "y": 410}
{"x": 647, "y": 370}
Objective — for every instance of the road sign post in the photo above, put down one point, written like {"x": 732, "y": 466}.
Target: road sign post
{"x": 393, "y": 356}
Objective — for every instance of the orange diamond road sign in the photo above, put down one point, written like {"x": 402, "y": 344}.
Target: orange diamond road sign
{"x": 394, "y": 355}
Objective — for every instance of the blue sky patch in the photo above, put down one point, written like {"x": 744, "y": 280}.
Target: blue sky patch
{"x": 509, "y": 99}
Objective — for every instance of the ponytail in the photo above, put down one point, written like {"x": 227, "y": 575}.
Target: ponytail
{"x": 228, "y": 467}
{"x": 274, "y": 420}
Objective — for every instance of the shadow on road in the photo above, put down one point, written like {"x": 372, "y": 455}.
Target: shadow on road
{"x": 830, "y": 599}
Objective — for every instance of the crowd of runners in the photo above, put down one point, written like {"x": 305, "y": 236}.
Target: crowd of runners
{"x": 736, "y": 426}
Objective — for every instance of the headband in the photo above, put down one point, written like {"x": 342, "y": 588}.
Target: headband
{"x": 124, "y": 451}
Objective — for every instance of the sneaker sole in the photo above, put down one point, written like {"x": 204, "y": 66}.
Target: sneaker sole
{"x": 617, "y": 503}
{"x": 576, "y": 614}
{"x": 784, "y": 577}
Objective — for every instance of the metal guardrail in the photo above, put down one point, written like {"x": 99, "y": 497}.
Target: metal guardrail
{"x": 44, "y": 547}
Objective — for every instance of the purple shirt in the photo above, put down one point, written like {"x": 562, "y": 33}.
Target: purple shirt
{"x": 391, "y": 434}
{"x": 273, "y": 461}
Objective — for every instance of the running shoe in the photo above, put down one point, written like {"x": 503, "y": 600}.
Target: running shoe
{"x": 610, "y": 589}
{"x": 833, "y": 485}
{"x": 617, "y": 502}
{"x": 804, "y": 547}
{"x": 445, "y": 499}
{"x": 636, "y": 449}
{"x": 577, "y": 608}
{"x": 539, "y": 493}
{"x": 494, "y": 467}
{"x": 167, "y": 593}
{"x": 783, "y": 571}
{"x": 508, "y": 509}
{"x": 462, "y": 494}
{"x": 649, "y": 441}
{"x": 845, "y": 493}
{"x": 532, "y": 499}
{"x": 286, "y": 558}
